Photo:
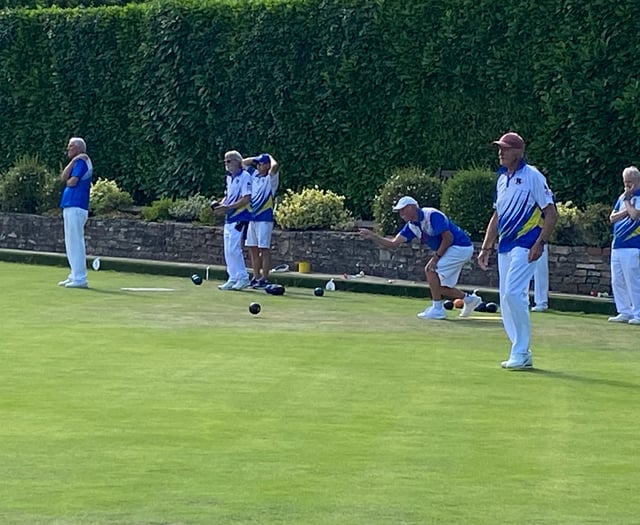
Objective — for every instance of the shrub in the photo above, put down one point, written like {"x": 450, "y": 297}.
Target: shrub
{"x": 107, "y": 198}
{"x": 567, "y": 230}
{"x": 595, "y": 226}
{"x": 158, "y": 211}
{"x": 413, "y": 181}
{"x": 187, "y": 210}
{"x": 208, "y": 218}
{"x": 587, "y": 227}
{"x": 467, "y": 198}
{"x": 29, "y": 187}
{"x": 313, "y": 209}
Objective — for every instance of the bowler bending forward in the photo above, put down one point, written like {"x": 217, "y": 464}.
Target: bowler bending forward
{"x": 452, "y": 249}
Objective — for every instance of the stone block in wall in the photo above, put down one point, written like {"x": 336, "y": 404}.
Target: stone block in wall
{"x": 559, "y": 250}
{"x": 384, "y": 255}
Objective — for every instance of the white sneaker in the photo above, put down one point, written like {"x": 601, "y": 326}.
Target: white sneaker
{"x": 518, "y": 362}
{"x": 433, "y": 313}
{"x": 228, "y": 285}
{"x": 470, "y": 304}
{"x": 241, "y": 284}
{"x": 620, "y": 318}
{"x": 65, "y": 282}
{"x": 73, "y": 284}
{"x": 635, "y": 320}
{"x": 540, "y": 308}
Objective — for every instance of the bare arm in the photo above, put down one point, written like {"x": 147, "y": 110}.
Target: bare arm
{"x": 550, "y": 218}
{"x": 385, "y": 242}
{"x": 65, "y": 176}
{"x": 634, "y": 213}
{"x": 224, "y": 207}
{"x": 447, "y": 240}
{"x": 489, "y": 240}
{"x": 618, "y": 215}
{"x": 274, "y": 166}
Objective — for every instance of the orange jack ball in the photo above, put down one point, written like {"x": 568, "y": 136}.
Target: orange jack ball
{"x": 458, "y": 303}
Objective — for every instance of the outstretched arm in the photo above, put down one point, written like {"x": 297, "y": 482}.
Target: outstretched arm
{"x": 385, "y": 242}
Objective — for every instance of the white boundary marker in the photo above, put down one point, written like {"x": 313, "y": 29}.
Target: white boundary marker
{"x": 148, "y": 289}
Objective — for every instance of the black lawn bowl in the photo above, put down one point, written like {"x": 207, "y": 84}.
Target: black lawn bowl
{"x": 254, "y": 308}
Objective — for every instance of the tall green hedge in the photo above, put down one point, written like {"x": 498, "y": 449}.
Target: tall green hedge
{"x": 36, "y": 4}
{"x": 341, "y": 92}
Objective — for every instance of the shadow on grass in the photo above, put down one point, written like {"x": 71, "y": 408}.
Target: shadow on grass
{"x": 552, "y": 374}
{"x": 299, "y": 295}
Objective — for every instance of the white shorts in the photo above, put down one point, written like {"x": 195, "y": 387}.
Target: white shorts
{"x": 259, "y": 234}
{"x": 451, "y": 263}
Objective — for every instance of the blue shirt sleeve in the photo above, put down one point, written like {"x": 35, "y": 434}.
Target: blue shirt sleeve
{"x": 407, "y": 233}
{"x": 79, "y": 168}
{"x": 439, "y": 222}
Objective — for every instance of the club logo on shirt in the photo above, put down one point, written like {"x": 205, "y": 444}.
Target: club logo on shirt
{"x": 518, "y": 180}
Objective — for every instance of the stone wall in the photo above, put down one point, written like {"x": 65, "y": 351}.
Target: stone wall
{"x": 572, "y": 269}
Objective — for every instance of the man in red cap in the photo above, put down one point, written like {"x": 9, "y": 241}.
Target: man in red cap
{"x": 523, "y": 220}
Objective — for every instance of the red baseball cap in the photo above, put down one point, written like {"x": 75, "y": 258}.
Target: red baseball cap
{"x": 510, "y": 140}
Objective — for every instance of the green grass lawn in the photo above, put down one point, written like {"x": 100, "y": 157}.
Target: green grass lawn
{"x": 179, "y": 407}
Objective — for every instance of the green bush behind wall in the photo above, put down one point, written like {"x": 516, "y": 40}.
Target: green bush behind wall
{"x": 340, "y": 92}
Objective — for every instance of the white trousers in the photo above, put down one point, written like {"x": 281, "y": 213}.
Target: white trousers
{"x": 74, "y": 221}
{"x": 541, "y": 279}
{"x": 233, "y": 256}
{"x": 515, "y": 274}
{"x": 625, "y": 280}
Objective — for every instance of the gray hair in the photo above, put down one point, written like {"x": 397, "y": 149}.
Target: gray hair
{"x": 233, "y": 155}
{"x": 632, "y": 172}
{"x": 79, "y": 142}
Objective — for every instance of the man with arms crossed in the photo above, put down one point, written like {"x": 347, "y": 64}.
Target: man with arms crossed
{"x": 522, "y": 199}
{"x": 76, "y": 177}
{"x": 452, "y": 250}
